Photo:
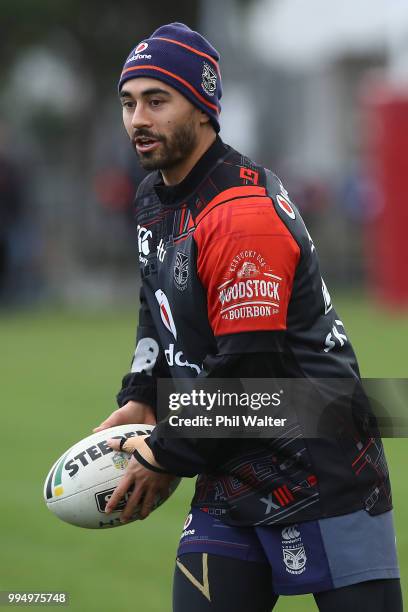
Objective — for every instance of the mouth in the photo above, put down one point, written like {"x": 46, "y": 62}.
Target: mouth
{"x": 144, "y": 144}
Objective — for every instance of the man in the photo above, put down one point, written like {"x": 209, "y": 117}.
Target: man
{"x": 231, "y": 288}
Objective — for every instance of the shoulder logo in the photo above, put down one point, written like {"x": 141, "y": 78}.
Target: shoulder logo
{"x": 180, "y": 271}
{"x": 251, "y": 288}
{"x": 285, "y": 206}
{"x": 209, "y": 79}
{"x": 248, "y": 270}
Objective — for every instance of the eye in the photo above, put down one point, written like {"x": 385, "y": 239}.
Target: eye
{"x": 155, "y": 102}
{"x": 128, "y": 104}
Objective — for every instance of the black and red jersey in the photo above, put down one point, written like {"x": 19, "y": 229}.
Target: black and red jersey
{"x": 231, "y": 287}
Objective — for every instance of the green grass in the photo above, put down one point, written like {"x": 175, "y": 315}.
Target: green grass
{"x": 59, "y": 374}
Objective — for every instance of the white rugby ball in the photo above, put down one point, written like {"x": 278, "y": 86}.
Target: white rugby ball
{"x": 81, "y": 481}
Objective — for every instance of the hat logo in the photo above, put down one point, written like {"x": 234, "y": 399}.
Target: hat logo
{"x": 138, "y": 54}
{"x": 141, "y": 47}
{"x": 209, "y": 79}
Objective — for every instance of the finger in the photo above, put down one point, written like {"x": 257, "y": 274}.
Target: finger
{"x": 148, "y": 503}
{"x": 102, "y": 426}
{"x": 105, "y": 425}
{"x": 133, "y": 443}
{"x": 113, "y": 443}
{"x": 132, "y": 503}
{"x": 120, "y": 491}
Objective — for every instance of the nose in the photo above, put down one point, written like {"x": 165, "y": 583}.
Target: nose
{"x": 140, "y": 117}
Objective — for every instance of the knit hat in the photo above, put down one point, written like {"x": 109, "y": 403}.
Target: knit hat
{"x": 183, "y": 59}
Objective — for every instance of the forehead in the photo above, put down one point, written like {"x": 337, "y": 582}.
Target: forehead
{"x": 143, "y": 85}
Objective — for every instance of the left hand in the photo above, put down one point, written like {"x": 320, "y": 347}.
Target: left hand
{"x": 148, "y": 485}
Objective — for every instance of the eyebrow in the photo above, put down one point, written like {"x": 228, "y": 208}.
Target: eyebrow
{"x": 147, "y": 92}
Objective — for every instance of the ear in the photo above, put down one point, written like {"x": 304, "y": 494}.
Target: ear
{"x": 204, "y": 118}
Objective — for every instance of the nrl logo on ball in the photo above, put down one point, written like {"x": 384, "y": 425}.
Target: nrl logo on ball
{"x": 209, "y": 79}
{"x": 120, "y": 461}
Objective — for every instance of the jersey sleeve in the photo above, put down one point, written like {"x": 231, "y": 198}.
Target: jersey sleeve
{"x": 148, "y": 362}
{"x": 246, "y": 261}
{"x": 187, "y": 456}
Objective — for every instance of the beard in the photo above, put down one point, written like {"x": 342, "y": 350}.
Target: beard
{"x": 172, "y": 150}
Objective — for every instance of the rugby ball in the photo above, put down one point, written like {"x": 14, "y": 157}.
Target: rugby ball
{"x": 81, "y": 481}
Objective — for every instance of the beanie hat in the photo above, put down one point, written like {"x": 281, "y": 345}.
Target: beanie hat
{"x": 183, "y": 59}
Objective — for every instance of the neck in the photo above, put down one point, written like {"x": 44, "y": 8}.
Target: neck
{"x": 175, "y": 175}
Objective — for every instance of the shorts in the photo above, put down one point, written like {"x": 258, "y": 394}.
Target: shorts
{"x": 307, "y": 557}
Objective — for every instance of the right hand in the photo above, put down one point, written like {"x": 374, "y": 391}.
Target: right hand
{"x": 130, "y": 413}
{"x": 146, "y": 484}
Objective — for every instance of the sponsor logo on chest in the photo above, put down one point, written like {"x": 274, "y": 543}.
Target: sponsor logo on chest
{"x": 144, "y": 236}
{"x": 181, "y": 271}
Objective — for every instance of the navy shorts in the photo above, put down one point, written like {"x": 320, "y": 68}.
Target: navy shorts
{"x": 306, "y": 557}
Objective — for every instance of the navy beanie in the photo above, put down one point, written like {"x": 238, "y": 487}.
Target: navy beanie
{"x": 183, "y": 59}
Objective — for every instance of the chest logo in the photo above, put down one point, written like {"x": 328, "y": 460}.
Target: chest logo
{"x": 161, "y": 251}
{"x": 180, "y": 271}
{"x": 165, "y": 312}
{"x": 143, "y": 236}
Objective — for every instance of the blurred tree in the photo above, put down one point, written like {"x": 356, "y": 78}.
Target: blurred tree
{"x": 97, "y": 33}
{"x": 61, "y": 61}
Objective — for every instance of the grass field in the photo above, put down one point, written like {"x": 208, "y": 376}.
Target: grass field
{"x": 59, "y": 373}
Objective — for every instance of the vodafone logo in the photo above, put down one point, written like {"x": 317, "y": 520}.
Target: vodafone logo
{"x": 186, "y": 530}
{"x": 188, "y": 520}
{"x": 285, "y": 206}
{"x": 177, "y": 358}
{"x": 138, "y": 53}
{"x": 141, "y": 47}
{"x": 165, "y": 312}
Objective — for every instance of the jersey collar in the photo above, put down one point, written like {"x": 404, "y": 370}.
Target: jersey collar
{"x": 176, "y": 194}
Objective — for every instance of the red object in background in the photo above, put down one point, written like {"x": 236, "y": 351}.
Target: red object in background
{"x": 386, "y": 138}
